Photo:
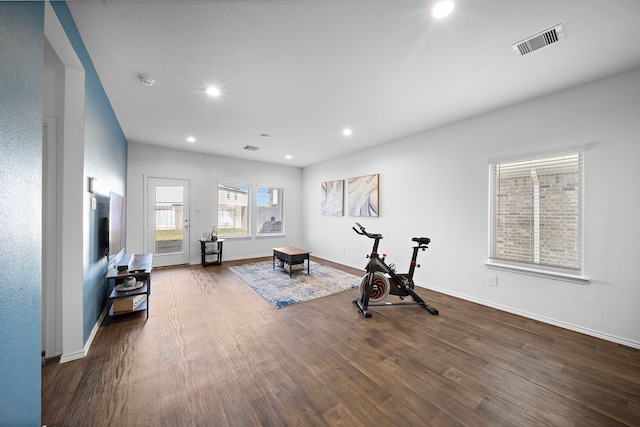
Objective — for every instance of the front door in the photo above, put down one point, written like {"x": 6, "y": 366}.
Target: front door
{"x": 167, "y": 229}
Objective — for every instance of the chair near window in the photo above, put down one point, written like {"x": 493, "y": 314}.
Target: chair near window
{"x": 271, "y": 226}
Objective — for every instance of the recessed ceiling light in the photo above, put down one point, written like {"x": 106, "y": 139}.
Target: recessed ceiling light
{"x": 213, "y": 91}
{"x": 347, "y": 132}
{"x": 442, "y": 8}
{"x": 191, "y": 139}
{"x": 264, "y": 135}
{"x": 288, "y": 156}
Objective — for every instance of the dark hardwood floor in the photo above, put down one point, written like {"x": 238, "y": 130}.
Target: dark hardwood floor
{"x": 214, "y": 353}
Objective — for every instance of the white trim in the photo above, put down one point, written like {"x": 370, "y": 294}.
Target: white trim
{"x": 55, "y": 33}
{"x": 85, "y": 351}
{"x": 564, "y": 325}
{"x": 71, "y": 179}
{"x": 538, "y": 272}
{"x": 240, "y": 237}
{"x": 72, "y": 356}
{"x": 51, "y": 280}
{"x": 579, "y": 148}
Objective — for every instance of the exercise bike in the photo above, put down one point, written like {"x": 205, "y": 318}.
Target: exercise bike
{"x": 381, "y": 279}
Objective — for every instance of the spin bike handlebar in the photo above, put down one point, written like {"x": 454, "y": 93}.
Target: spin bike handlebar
{"x": 420, "y": 240}
{"x": 364, "y": 232}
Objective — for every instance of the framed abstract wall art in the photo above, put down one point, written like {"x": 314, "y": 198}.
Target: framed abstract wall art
{"x": 332, "y": 198}
{"x": 363, "y": 195}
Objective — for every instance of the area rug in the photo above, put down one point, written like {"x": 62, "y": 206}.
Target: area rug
{"x": 281, "y": 291}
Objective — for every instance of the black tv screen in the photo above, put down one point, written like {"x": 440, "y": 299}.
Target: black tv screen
{"x": 103, "y": 225}
{"x": 117, "y": 225}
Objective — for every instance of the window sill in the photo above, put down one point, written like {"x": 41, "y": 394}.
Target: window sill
{"x": 547, "y": 274}
{"x": 260, "y": 236}
{"x": 242, "y": 237}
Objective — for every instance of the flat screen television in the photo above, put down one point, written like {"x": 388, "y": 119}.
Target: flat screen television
{"x": 117, "y": 226}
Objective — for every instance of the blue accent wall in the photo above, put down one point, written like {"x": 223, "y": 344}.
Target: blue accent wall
{"x": 105, "y": 157}
{"x": 105, "y": 154}
{"x": 21, "y": 61}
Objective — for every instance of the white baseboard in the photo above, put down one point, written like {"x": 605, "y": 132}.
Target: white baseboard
{"x": 83, "y": 353}
{"x": 569, "y": 326}
{"x": 68, "y": 357}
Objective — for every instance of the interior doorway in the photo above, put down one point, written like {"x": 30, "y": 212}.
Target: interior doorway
{"x": 63, "y": 98}
{"x": 51, "y": 283}
{"x": 167, "y": 221}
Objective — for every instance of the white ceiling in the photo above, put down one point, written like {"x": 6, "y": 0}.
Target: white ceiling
{"x": 302, "y": 70}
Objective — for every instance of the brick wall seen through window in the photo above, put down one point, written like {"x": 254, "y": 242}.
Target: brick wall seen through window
{"x": 536, "y": 212}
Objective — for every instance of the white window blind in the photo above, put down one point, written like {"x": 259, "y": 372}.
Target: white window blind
{"x": 536, "y": 208}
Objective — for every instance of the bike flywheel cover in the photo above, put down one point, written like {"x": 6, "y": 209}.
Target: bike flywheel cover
{"x": 380, "y": 286}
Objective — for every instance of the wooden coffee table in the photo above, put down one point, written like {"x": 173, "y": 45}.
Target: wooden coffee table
{"x": 292, "y": 256}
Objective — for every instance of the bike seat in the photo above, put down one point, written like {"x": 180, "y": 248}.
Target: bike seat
{"x": 422, "y": 240}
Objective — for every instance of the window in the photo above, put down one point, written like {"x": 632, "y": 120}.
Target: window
{"x": 269, "y": 217}
{"x": 536, "y": 212}
{"x": 233, "y": 210}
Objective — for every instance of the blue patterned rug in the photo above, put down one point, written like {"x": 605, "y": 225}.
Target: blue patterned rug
{"x": 276, "y": 287}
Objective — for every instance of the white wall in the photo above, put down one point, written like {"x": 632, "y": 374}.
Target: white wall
{"x": 435, "y": 184}
{"x": 204, "y": 173}
{"x": 64, "y": 98}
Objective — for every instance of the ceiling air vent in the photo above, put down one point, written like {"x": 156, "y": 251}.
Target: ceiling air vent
{"x": 251, "y": 148}
{"x": 539, "y": 40}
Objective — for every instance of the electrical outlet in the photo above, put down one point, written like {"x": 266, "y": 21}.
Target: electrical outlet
{"x": 492, "y": 280}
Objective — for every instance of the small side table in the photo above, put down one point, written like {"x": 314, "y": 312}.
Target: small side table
{"x": 140, "y": 268}
{"x": 211, "y": 248}
{"x": 292, "y": 256}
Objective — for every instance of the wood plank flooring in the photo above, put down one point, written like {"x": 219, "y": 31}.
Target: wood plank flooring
{"x": 214, "y": 353}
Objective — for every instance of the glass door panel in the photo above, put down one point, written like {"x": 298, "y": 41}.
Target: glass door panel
{"x": 168, "y": 221}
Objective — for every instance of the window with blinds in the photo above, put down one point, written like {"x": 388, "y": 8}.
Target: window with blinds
{"x": 536, "y": 207}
